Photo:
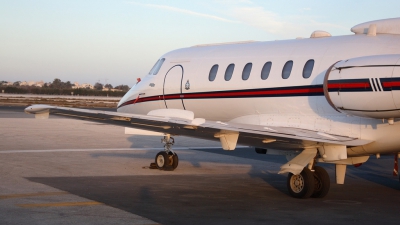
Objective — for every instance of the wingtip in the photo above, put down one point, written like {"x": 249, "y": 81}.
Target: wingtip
{"x": 37, "y": 109}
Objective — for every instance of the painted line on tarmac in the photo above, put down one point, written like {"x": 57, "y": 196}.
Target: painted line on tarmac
{"x": 107, "y": 149}
{"x": 27, "y": 195}
{"x": 59, "y": 204}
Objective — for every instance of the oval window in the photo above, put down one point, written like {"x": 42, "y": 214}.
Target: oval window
{"x": 229, "y": 71}
{"x": 287, "y": 69}
{"x": 213, "y": 72}
{"x": 246, "y": 71}
{"x": 308, "y": 68}
{"x": 266, "y": 70}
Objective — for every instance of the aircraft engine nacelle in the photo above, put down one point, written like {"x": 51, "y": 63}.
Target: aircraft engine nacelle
{"x": 365, "y": 86}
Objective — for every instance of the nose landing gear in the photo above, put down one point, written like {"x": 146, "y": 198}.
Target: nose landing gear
{"x": 167, "y": 159}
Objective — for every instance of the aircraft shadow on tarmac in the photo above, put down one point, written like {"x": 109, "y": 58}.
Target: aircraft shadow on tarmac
{"x": 375, "y": 170}
{"x": 256, "y": 198}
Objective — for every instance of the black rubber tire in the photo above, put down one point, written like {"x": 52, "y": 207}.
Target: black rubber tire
{"x": 322, "y": 182}
{"x": 175, "y": 161}
{"x": 302, "y": 185}
{"x": 162, "y": 160}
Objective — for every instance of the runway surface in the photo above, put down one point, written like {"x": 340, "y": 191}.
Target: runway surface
{"x": 61, "y": 171}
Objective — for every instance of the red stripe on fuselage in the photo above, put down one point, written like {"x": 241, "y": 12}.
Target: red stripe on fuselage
{"x": 234, "y": 94}
{"x": 350, "y": 85}
{"x": 388, "y": 84}
{"x": 252, "y": 93}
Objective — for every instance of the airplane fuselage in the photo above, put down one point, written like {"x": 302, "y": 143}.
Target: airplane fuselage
{"x": 265, "y": 97}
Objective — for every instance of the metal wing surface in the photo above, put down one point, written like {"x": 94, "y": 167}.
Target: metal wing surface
{"x": 269, "y": 137}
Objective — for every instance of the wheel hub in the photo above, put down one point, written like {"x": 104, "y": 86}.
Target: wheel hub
{"x": 160, "y": 161}
{"x": 297, "y": 183}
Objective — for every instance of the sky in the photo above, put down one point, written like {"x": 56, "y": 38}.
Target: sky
{"x": 117, "y": 41}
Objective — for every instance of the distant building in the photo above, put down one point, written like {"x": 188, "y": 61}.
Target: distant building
{"x": 76, "y": 85}
{"x": 41, "y": 83}
{"x": 111, "y": 89}
{"x": 38, "y": 84}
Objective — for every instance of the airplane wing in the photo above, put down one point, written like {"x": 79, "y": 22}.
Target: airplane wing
{"x": 182, "y": 122}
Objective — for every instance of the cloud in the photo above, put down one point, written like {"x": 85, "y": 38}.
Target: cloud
{"x": 248, "y": 13}
{"x": 294, "y": 25}
{"x": 184, "y": 11}
{"x": 266, "y": 20}
{"x": 232, "y": 2}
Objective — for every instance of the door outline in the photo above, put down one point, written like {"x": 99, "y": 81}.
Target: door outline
{"x": 180, "y": 88}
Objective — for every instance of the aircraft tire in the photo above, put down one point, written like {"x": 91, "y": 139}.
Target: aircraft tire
{"x": 162, "y": 160}
{"x": 302, "y": 185}
{"x": 175, "y": 161}
{"x": 322, "y": 182}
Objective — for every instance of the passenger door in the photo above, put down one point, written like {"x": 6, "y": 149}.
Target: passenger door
{"x": 172, "y": 89}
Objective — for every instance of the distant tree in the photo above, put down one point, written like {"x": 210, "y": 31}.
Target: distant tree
{"x": 122, "y": 87}
{"x": 109, "y": 86}
{"x": 57, "y": 83}
{"x": 98, "y": 86}
{"x": 67, "y": 85}
{"x": 3, "y": 82}
{"x": 17, "y": 83}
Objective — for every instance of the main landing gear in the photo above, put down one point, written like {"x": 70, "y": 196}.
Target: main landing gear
{"x": 167, "y": 159}
{"x": 312, "y": 182}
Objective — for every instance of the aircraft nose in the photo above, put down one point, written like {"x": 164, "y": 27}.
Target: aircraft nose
{"x": 129, "y": 98}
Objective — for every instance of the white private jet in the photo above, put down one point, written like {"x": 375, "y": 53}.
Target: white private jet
{"x": 321, "y": 99}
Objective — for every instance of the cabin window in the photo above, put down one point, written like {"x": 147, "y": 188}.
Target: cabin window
{"x": 265, "y": 70}
{"x": 287, "y": 69}
{"x": 158, "y": 66}
{"x": 213, "y": 73}
{"x": 152, "y": 69}
{"x": 308, "y": 68}
{"x": 246, "y": 71}
{"x": 229, "y": 71}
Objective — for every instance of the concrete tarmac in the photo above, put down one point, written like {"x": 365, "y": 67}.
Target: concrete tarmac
{"x": 62, "y": 171}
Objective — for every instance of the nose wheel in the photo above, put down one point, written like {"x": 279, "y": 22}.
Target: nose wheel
{"x": 167, "y": 159}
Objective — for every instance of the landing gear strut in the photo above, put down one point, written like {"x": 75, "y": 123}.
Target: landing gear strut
{"x": 313, "y": 181}
{"x": 167, "y": 159}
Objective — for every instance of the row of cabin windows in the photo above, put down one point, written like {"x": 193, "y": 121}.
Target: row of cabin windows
{"x": 286, "y": 71}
